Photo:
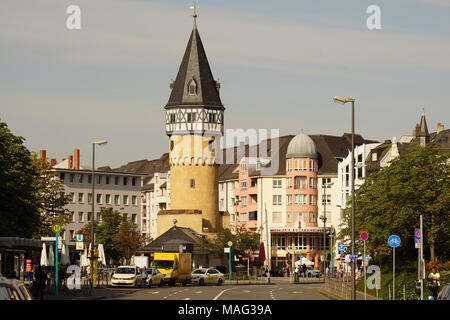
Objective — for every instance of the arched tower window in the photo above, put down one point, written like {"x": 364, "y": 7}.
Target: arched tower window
{"x": 192, "y": 87}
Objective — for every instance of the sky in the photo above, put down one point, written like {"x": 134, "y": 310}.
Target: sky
{"x": 279, "y": 63}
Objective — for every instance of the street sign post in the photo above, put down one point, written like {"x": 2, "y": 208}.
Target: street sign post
{"x": 364, "y": 237}
{"x": 394, "y": 242}
{"x": 56, "y": 228}
{"x": 229, "y": 261}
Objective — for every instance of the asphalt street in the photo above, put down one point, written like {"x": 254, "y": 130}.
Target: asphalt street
{"x": 229, "y": 292}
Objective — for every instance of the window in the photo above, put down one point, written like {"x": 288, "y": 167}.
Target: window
{"x": 313, "y": 183}
{"x": 360, "y": 158}
{"x": 276, "y": 200}
{"x": 89, "y": 197}
{"x": 300, "y": 165}
{"x": 134, "y": 218}
{"x": 80, "y": 178}
{"x": 289, "y": 216}
{"x": 71, "y": 234}
{"x": 134, "y": 200}
{"x": 243, "y": 201}
{"x": 312, "y": 217}
{"x": 72, "y": 197}
{"x": 326, "y": 198}
{"x": 243, "y": 217}
{"x": 89, "y": 178}
{"x": 61, "y": 176}
{"x": 300, "y": 183}
{"x": 374, "y": 156}
{"x": 190, "y": 117}
{"x": 125, "y": 200}
{"x": 192, "y": 183}
{"x": 211, "y": 145}
{"x": 172, "y": 118}
{"x": 80, "y": 217}
{"x": 289, "y": 199}
{"x": 108, "y": 199}
{"x": 301, "y": 199}
{"x": 244, "y": 167}
{"x": 299, "y": 216}
{"x": 116, "y": 180}
{"x": 107, "y": 179}
{"x": 125, "y": 216}
{"x": 244, "y": 185}
{"x": 192, "y": 87}
{"x": 289, "y": 183}
{"x": 279, "y": 241}
{"x": 276, "y": 217}
{"x": 211, "y": 117}
{"x": 253, "y": 215}
{"x": 133, "y": 182}
{"x": 276, "y": 183}
{"x": 116, "y": 199}
{"x": 71, "y": 177}
{"x": 312, "y": 200}
{"x": 312, "y": 165}
{"x": 125, "y": 181}
{"x": 221, "y": 203}
{"x": 289, "y": 165}
{"x": 326, "y": 182}
{"x": 99, "y": 198}
{"x": 99, "y": 179}
{"x": 80, "y": 198}
{"x": 72, "y": 216}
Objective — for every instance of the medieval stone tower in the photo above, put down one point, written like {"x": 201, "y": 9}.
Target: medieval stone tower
{"x": 194, "y": 124}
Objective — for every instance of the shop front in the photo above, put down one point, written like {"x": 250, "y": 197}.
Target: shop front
{"x": 14, "y": 253}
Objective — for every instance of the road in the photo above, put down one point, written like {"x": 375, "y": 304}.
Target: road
{"x": 230, "y": 292}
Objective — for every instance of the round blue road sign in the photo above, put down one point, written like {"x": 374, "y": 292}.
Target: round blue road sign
{"x": 394, "y": 241}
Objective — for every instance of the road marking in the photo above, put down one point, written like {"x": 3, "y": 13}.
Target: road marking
{"x": 247, "y": 291}
{"x": 199, "y": 292}
{"x": 221, "y": 292}
{"x": 298, "y": 292}
{"x": 165, "y": 298}
{"x": 155, "y": 292}
{"x": 186, "y": 299}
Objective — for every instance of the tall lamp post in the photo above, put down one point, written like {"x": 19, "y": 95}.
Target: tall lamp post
{"x": 325, "y": 185}
{"x": 101, "y": 142}
{"x": 343, "y": 100}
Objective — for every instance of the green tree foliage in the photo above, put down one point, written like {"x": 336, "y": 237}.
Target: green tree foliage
{"x": 244, "y": 242}
{"x": 120, "y": 237}
{"x": 19, "y": 202}
{"x": 391, "y": 201}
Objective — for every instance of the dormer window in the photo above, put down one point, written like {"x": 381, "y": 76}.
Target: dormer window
{"x": 192, "y": 87}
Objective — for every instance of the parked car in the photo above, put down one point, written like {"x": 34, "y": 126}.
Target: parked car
{"x": 207, "y": 275}
{"x": 9, "y": 291}
{"x": 311, "y": 272}
{"x": 155, "y": 277}
{"x": 445, "y": 293}
{"x": 126, "y": 276}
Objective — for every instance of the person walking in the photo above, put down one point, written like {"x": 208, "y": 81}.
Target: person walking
{"x": 144, "y": 276}
{"x": 434, "y": 278}
{"x": 304, "y": 270}
{"x": 40, "y": 279}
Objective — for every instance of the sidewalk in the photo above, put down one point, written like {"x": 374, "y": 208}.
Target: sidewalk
{"x": 273, "y": 280}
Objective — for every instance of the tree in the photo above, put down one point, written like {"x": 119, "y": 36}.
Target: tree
{"x": 244, "y": 241}
{"x": 128, "y": 239}
{"x": 391, "y": 201}
{"x": 51, "y": 195}
{"x": 19, "y": 202}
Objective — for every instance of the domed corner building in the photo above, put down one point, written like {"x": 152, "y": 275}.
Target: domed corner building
{"x": 302, "y": 193}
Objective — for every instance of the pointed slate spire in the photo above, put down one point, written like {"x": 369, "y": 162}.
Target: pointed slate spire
{"x": 423, "y": 131}
{"x": 194, "y": 70}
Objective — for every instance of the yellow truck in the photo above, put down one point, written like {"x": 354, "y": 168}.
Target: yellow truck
{"x": 176, "y": 267}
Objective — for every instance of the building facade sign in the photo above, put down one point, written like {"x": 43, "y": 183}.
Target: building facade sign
{"x": 296, "y": 230}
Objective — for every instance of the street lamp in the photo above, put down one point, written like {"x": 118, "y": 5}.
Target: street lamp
{"x": 101, "y": 142}
{"x": 343, "y": 100}
{"x": 325, "y": 185}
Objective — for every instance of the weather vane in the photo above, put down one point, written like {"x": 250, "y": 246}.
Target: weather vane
{"x": 195, "y": 7}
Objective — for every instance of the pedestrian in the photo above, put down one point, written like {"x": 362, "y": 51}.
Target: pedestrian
{"x": 144, "y": 276}
{"x": 40, "y": 278}
{"x": 304, "y": 270}
{"x": 434, "y": 278}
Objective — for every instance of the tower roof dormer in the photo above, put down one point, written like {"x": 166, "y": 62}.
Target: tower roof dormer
{"x": 194, "y": 84}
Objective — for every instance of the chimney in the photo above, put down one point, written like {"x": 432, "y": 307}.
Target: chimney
{"x": 43, "y": 157}
{"x": 70, "y": 162}
{"x": 53, "y": 162}
{"x": 76, "y": 160}
{"x": 440, "y": 127}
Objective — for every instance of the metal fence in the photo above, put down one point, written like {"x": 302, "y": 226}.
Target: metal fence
{"x": 340, "y": 286}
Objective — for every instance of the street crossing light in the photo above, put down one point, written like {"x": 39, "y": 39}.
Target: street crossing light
{"x": 343, "y": 100}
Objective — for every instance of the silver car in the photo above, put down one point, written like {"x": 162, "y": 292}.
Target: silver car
{"x": 207, "y": 275}
{"x": 155, "y": 277}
